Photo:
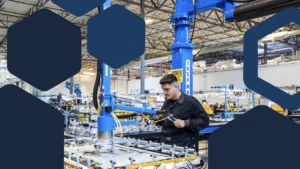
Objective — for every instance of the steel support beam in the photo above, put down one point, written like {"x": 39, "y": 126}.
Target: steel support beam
{"x": 265, "y": 53}
{"x": 143, "y": 56}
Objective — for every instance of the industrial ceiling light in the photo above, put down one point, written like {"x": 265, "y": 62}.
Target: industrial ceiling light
{"x": 148, "y": 21}
{"x": 89, "y": 73}
{"x": 260, "y": 50}
{"x": 84, "y": 76}
{"x": 195, "y": 51}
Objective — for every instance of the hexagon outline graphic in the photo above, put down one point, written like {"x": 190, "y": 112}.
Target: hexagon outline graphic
{"x": 251, "y": 78}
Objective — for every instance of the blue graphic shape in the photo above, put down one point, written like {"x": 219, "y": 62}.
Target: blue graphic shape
{"x": 116, "y": 36}
{"x": 78, "y": 7}
{"x": 44, "y": 49}
{"x": 32, "y": 131}
{"x": 260, "y": 138}
{"x": 251, "y": 79}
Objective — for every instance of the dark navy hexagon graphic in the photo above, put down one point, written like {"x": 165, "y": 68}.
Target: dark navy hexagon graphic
{"x": 32, "y": 131}
{"x": 260, "y": 138}
{"x": 116, "y": 36}
{"x": 44, "y": 49}
{"x": 78, "y": 7}
{"x": 251, "y": 79}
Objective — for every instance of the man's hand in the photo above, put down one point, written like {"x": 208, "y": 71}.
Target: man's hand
{"x": 179, "y": 123}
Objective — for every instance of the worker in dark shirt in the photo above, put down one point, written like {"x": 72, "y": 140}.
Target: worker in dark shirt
{"x": 59, "y": 99}
{"x": 189, "y": 117}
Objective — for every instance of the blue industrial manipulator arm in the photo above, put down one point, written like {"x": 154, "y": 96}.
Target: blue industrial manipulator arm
{"x": 187, "y": 7}
{"x": 76, "y": 87}
{"x": 182, "y": 49}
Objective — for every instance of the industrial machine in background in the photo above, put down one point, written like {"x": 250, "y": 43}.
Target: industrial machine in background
{"x": 76, "y": 88}
{"x": 220, "y": 99}
{"x": 228, "y": 111}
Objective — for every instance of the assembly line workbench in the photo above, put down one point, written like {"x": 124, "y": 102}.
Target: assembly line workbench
{"x": 203, "y": 134}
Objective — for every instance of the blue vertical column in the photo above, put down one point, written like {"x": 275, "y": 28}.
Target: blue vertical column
{"x": 253, "y": 99}
{"x": 106, "y": 123}
{"x": 182, "y": 49}
{"x": 225, "y": 104}
{"x": 72, "y": 85}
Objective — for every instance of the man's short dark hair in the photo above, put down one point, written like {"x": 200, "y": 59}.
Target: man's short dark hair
{"x": 168, "y": 79}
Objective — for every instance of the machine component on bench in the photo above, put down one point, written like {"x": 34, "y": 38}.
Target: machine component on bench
{"x": 125, "y": 98}
{"x": 127, "y": 153}
{"x": 178, "y": 162}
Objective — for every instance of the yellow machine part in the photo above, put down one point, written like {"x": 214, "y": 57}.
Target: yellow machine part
{"x": 229, "y": 108}
{"x": 278, "y": 108}
{"x": 83, "y": 120}
{"x": 123, "y": 112}
{"x": 207, "y": 108}
{"x": 177, "y": 160}
{"x": 152, "y": 100}
{"x": 73, "y": 166}
{"x": 70, "y": 103}
{"x": 232, "y": 108}
{"x": 70, "y": 165}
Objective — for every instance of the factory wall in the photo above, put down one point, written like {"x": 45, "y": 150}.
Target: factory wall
{"x": 204, "y": 81}
{"x": 119, "y": 86}
{"x": 279, "y": 75}
{"x": 282, "y": 74}
{"x": 151, "y": 84}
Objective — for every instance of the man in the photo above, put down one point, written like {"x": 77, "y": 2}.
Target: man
{"x": 59, "y": 100}
{"x": 189, "y": 115}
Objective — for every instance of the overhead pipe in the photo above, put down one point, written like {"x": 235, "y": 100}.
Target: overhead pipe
{"x": 261, "y": 52}
{"x": 281, "y": 49}
{"x": 286, "y": 48}
{"x": 279, "y": 36}
{"x": 151, "y": 61}
{"x": 260, "y": 8}
{"x": 282, "y": 57}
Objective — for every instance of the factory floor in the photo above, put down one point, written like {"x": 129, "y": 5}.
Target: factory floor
{"x": 204, "y": 146}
